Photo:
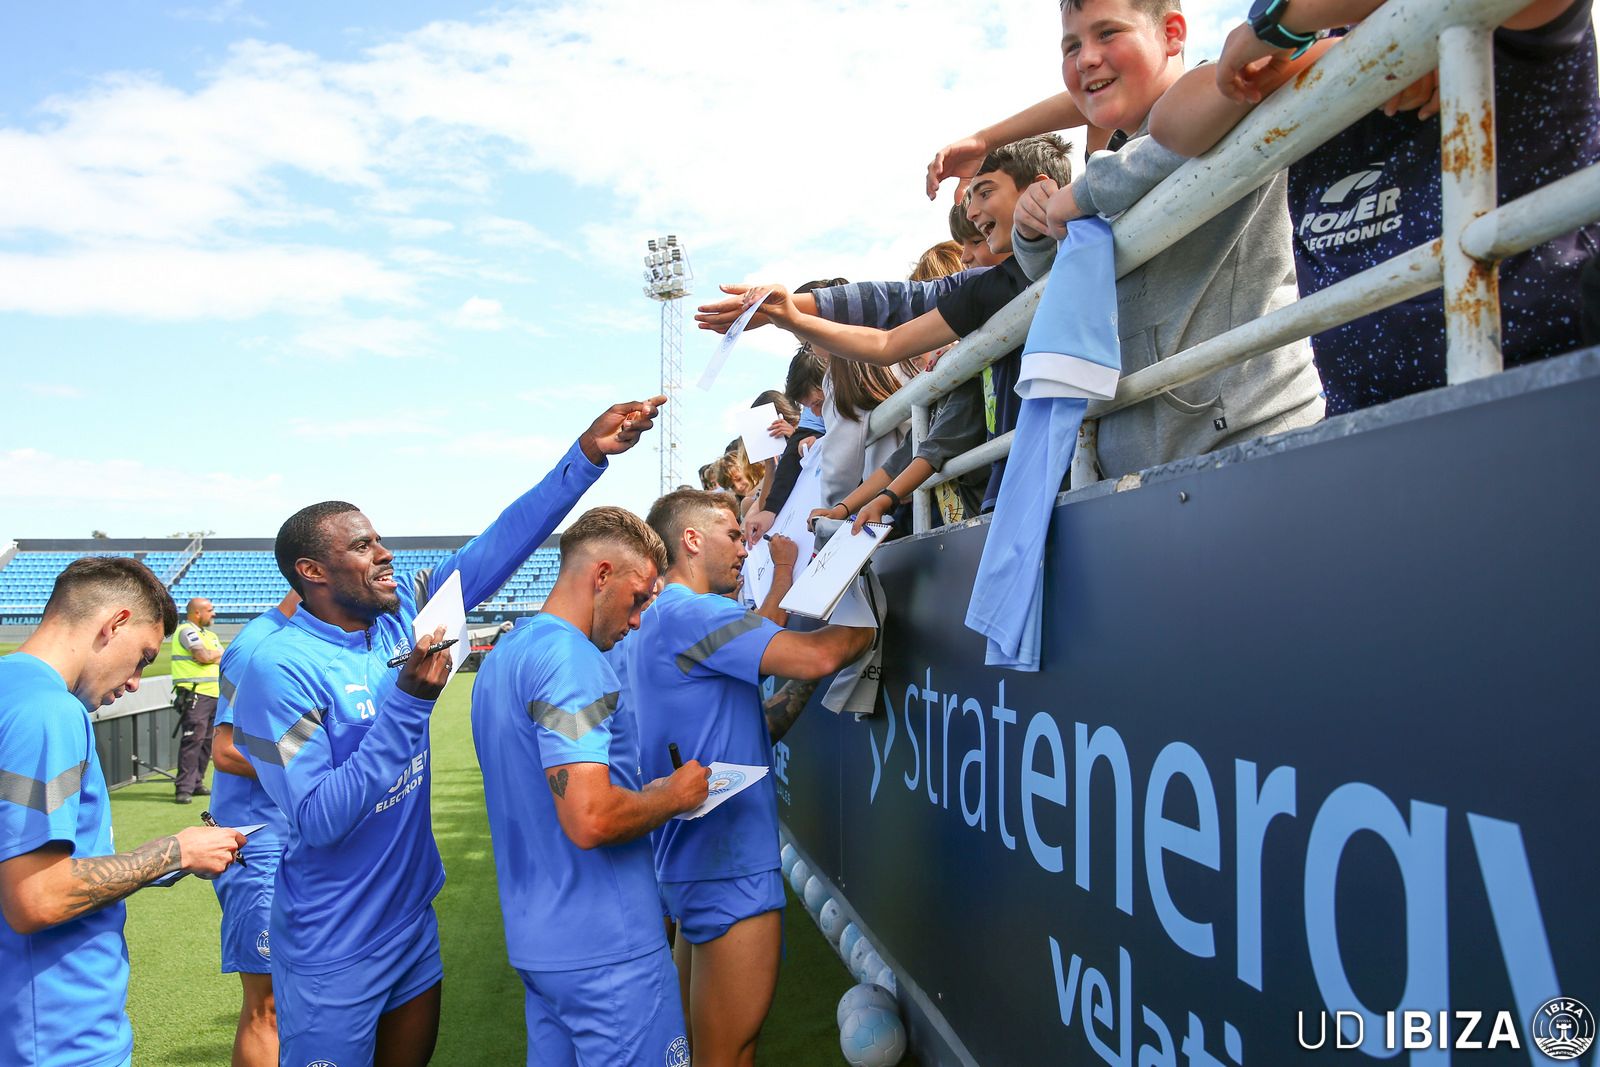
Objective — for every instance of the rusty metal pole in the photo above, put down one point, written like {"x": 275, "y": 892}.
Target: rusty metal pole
{"x": 1468, "y": 185}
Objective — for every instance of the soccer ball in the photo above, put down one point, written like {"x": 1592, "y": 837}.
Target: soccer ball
{"x": 858, "y": 955}
{"x": 847, "y": 941}
{"x": 861, "y": 996}
{"x": 886, "y": 979}
{"x": 872, "y": 1037}
{"x": 798, "y": 876}
{"x": 831, "y": 921}
{"x": 815, "y": 895}
{"x": 789, "y": 857}
{"x": 871, "y": 963}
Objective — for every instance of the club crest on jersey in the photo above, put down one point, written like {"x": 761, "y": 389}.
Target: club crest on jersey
{"x": 322, "y": 1063}
{"x": 678, "y": 1053}
{"x": 264, "y": 945}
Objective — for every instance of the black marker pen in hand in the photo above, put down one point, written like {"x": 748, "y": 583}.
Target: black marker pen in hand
{"x": 677, "y": 760}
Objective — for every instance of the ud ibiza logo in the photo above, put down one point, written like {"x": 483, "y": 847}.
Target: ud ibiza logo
{"x": 322, "y": 1063}
{"x": 1563, "y": 1028}
{"x": 678, "y": 1053}
{"x": 264, "y": 945}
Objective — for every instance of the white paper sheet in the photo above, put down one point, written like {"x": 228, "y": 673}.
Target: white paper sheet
{"x": 804, "y": 498}
{"x": 727, "y": 781}
{"x": 818, "y": 591}
{"x": 445, "y": 608}
{"x": 854, "y": 609}
{"x": 720, "y": 356}
{"x": 752, "y": 426}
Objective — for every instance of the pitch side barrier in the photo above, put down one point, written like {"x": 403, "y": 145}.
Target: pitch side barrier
{"x": 1398, "y": 43}
{"x": 1309, "y": 760}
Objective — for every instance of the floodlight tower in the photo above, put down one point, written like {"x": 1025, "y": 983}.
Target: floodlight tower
{"x": 667, "y": 280}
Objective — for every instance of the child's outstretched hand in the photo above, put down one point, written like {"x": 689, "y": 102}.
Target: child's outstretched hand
{"x": 958, "y": 159}
{"x": 720, "y": 315}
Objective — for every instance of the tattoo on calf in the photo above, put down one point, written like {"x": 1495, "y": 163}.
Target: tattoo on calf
{"x": 102, "y": 880}
{"x": 558, "y": 783}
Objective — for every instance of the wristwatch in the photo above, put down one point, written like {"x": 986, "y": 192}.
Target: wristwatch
{"x": 1265, "y": 20}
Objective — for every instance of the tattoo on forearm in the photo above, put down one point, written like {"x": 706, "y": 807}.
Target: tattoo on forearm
{"x": 558, "y": 783}
{"x": 102, "y": 880}
{"x": 785, "y": 706}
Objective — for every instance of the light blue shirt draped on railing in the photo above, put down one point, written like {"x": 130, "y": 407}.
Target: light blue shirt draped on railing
{"x": 1072, "y": 356}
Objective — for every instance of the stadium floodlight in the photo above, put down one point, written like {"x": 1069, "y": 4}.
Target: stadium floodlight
{"x": 667, "y": 281}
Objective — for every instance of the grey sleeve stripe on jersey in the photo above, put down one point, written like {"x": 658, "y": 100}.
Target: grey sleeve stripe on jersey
{"x": 419, "y": 586}
{"x": 286, "y": 747}
{"x": 707, "y": 646}
{"x": 227, "y": 687}
{"x": 573, "y": 725}
{"x": 44, "y": 797}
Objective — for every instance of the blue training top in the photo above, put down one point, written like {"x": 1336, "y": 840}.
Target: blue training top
{"x": 344, "y": 752}
{"x": 547, "y": 697}
{"x": 62, "y": 990}
{"x": 695, "y": 669}
{"x": 237, "y": 800}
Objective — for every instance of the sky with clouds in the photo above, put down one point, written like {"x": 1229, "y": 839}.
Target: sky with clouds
{"x": 255, "y": 255}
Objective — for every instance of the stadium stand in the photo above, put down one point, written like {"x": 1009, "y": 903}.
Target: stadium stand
{"x": 239, "y": 575}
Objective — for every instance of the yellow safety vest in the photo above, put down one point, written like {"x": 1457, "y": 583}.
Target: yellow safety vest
{"x": 202, "y": 677}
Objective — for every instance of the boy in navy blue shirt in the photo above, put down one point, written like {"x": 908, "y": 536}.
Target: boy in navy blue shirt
{"x": 1372, "y": 191}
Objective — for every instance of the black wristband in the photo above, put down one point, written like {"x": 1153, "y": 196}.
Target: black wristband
{"x": 894, "y": 497}
{"x": 842, "y": 504}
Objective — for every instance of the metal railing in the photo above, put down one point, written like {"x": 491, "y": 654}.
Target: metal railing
{"x": 1397, "y": 44}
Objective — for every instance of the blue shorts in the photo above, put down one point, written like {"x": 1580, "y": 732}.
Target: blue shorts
{"x": 705, "y": 910}
{"x": 245, "y": 894}
{"x": 333, "y": 1017}
{"x": 617, "y": 1013}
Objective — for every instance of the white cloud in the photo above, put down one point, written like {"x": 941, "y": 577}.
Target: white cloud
{"x": 381, "y": 336}
{"x": 418, "y": 229}
{"x": 799, "y": 154}
{"x": 159, "y": 281}
{"x": 512, "y": 233}
{"x": 481, "y": 313}
{"x": 53, "y": 391}
{"x": 225, "y": 11}
{"x": 33, "y": 476}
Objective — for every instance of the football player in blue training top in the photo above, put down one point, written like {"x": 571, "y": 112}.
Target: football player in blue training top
{"x": 577, "y": 882}
{"x": 340, "y": 743}
{"x": 245, "y": 890}
{"x": 694, "y": 668}
{"x": 63, "y": 961}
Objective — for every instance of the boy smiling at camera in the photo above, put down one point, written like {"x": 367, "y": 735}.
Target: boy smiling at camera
{"x": 1118, "y": 58}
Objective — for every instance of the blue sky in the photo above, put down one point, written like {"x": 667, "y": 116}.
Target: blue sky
{"x": 256, "y": 255}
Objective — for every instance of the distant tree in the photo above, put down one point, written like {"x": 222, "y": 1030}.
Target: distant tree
{"x": 99, "y": 535}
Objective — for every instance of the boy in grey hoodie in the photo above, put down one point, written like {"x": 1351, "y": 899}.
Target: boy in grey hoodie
{"x": 1119, "y": 56}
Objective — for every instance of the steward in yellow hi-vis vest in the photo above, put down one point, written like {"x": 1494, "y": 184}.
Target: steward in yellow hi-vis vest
{"x": 196, "y": 655}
